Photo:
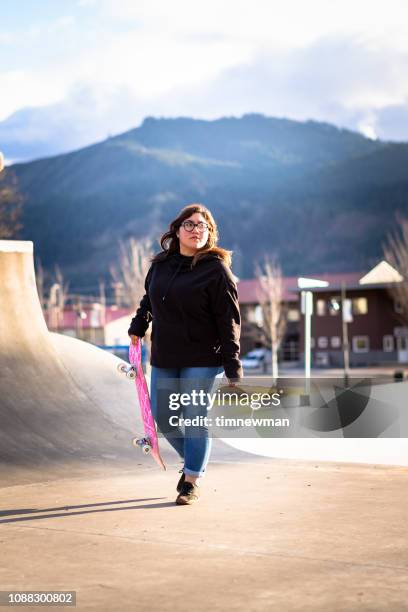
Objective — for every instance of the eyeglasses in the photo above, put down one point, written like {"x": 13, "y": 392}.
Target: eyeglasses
{"x": 189, "y": 226}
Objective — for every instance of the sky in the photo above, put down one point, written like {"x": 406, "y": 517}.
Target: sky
{"x": 104, "y": 65}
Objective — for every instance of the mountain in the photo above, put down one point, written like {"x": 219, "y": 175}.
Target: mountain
{"x": 320, "y": 197}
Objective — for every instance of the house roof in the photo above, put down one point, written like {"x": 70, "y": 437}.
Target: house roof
{"x": 382, "y": 273}
{"x": 355, "y": 287}
{"x": 381, "y": 276}
{"x": 248, "y": 288}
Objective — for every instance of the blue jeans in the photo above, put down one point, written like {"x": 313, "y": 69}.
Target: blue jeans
{"x": 194, "y": 445}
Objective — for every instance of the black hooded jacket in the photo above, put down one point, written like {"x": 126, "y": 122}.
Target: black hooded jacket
{"x": 195, "y": 314}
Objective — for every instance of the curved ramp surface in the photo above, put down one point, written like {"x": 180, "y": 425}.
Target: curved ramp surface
{"x": 59, "y": 397}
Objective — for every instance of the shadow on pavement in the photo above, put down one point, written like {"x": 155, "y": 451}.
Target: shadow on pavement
{"x": 64, "y": 514}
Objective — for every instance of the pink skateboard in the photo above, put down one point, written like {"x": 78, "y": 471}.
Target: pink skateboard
{"x": 150, "y": 443}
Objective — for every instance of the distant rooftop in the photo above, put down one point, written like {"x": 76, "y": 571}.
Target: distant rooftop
{"x": 381, "y": 275}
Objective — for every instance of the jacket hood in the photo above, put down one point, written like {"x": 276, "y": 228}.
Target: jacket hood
{"x": 183, "y": 261}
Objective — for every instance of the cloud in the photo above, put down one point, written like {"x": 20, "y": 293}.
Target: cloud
{"x": 342, "y": 62}
{"x": 85, "y": 116}
{"x": 334, "y": 80}
{"x": 20, "y": 88}
{"x": 268, "y": 23}
{"x": 87, "y": 3}
{"x": 6, "y": 38}
{"x": 62, "y": 23}
{"x": 391, "y": 123}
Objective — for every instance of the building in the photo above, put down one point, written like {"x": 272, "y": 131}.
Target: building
{"x": 251, "y": 315}
{"x": 103, "y": 326}
{"x": 376, "y": 331}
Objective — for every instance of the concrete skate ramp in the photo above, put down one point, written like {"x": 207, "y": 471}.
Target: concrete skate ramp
{"x": 59, "y": 397}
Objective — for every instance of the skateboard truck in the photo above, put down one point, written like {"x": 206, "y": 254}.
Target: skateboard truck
{"x": 143, "y": 443}
{"x": 129, "y": 370}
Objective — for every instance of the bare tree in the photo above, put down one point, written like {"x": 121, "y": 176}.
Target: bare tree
{"x": 10, "y": 205}
{"x": 39, "y": 277}
{"x": 57, "y": 299}
{"x": 270, "y": 298}
{"x": 102, "y": 300}
{"x": 396, "y": 253}
{"x": 130, "y": 273}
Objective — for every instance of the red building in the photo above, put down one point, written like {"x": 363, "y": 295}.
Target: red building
{"x": 95, "y": 323}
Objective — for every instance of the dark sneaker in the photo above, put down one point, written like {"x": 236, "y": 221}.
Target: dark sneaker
{"x": 189, "y": 494}
{"x": 180, "y": 482}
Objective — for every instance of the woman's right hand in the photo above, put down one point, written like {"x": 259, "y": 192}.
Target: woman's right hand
{"x": 134, "y": 339}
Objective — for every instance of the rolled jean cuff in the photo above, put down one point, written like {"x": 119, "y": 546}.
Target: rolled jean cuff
{"x": 192, "y": 473}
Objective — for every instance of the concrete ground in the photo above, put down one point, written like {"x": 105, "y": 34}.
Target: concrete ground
{"x": 267, "y": 534}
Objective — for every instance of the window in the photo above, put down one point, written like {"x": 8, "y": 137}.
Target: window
{"x": 254, "y": 315}
{"x": 334, "y": 305}
{"x": 335, "y": 342}
{"x": 293, "y": 314}
{"x": 322, "y": 342}
{"x": 258, "y": 315}
{"x": 388, "y": 344}
{"x": 320, "y": 307}
{"x": 250, "y": 314}
{"x": 360, "y": 306}
{"x": 402, "y": 343}
{"x": 398, "y": 307}
{"x": 361, "y": 344}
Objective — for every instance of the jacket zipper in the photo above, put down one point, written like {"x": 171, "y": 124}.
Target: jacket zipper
{"x": 171, "y": 280}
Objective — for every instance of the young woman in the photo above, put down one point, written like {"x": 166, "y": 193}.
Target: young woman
{"x": 191, "y": 298}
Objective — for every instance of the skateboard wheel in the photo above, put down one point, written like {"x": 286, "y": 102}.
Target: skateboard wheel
{"x": 143, "y": 444}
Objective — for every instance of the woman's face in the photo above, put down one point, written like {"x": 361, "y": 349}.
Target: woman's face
{"x": 192, "y": 238}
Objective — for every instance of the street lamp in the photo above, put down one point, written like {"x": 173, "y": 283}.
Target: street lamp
{"x": 305, "y": 284}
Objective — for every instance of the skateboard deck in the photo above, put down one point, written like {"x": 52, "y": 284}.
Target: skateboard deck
{"x": 149, "y": 444}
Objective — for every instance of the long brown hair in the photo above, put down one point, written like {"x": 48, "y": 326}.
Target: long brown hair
{"x": 170, "y": 243}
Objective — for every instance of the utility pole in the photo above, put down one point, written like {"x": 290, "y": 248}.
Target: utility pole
{"x": 347, "y": 317}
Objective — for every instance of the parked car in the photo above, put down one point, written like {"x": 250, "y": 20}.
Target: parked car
{"x": 257, "y": 359}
